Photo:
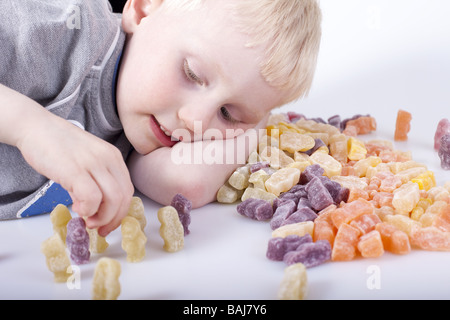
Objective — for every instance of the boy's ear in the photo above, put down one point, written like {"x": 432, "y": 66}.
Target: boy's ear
{"x": 135, "y": 10}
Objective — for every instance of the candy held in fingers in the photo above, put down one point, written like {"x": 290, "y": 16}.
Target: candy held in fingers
{"x": 106, "y": 285}
{"x": 97, "y": 243}
{"x": 77, "y": 241}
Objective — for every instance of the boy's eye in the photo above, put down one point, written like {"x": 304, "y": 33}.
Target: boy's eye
{"x": 191, "y": 74}
{"x": 227, "y": 116}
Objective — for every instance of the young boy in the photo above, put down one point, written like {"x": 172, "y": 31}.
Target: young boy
{"x": 83, "y": 90}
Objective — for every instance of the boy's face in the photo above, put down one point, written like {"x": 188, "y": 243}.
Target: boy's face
{"x": 182, "y": 68}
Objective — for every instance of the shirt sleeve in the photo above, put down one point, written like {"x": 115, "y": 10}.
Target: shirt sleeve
{"x": 47, "y": 46}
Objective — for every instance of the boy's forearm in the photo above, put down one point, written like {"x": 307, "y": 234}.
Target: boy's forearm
{"x": 194, "y": 169}
{"x": 160, "y": 179}
{"x": 18, "y": 113}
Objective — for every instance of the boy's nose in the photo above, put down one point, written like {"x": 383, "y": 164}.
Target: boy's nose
{"x": 196, "y": 119}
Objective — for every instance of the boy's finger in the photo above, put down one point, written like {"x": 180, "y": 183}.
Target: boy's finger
{"x": 114, "y": 203}
{"x": 117, "y": 220}
{"x": 86, "y": 196}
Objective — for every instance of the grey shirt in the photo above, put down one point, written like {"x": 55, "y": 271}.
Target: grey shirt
{"x": 64, "y": 55}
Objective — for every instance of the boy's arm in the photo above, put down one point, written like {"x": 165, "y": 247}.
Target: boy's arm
{"x": 160, "y": 175}
{"x": 90, "y": 169}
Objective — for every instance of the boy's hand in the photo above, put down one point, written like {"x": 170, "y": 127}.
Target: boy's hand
{"x": 90, "y": 169}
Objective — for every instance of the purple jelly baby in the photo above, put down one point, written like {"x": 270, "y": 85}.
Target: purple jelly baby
{"x": 444, "y": 152}
{"x": 77, "y": 241}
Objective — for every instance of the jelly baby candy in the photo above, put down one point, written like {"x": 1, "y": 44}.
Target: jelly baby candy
{"x": 258, "y": 179}
{"x": 351, "y": 211}
{"x": 425, "y": 181}
{"x": 136, "y": 211}
{"x": 443, "y": 128}
{"x": 183, "y": 207}
{"x": 356, "y": 149}
{"x": 370, "y": 245}
{"x": 310, "y": 172}
{"x": 171, "y": 229}
{"x": 301, "y": 215}
{"x": 331, "y": 166}
{"x": 394, "y": 240}
{"x": 282, "y": 180}
{"x": 366, "y": 222}
{"x": 430, "y": 238}
{"x": 133, "y": 239}
{"x": 292, "y": 141}
{"x": 324, "y": 228}
{"x": 406, "y": 197}
{"x": 444, "y": 152}
{"x": 401, "y": 222}
{"x": 278, "y": 247}
{"x": 300, "y": 229}
{"x": 294, "y": 285}
{"x": 363, "y": 125}
{"x": 442, "y": 220}
{"x": 256, "y": 209}
{"x": 318, "y": 194}
{"x": 228, "y": 194}
{"x": 309, "y": 254}
{"x": 282, "y": 212}
{"x": 97, "y": 243}
{"x": 59, "y": 217}
{"x": 239, "y": 178}
{"x": 338, "y": 147}
{"x": 106, "y": 285}
{"x": 258, "y": 194}
{"x": 56, "y": 257}
{"x": 277, "y": 158}
{"x": 77, "y": 241}
{"x": 344, "y": 248}
{"x": 403, "y": 125}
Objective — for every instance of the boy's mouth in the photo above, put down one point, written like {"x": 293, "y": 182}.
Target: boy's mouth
{"x": 162, "y": 134}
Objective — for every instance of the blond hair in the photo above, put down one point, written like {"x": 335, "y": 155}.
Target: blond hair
{"x": 291, "y": 32}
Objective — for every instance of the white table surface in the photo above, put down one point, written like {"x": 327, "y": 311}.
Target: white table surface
{"x": 377, "y": 57}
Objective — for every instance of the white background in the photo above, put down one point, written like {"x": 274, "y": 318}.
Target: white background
{"x": 377, "y": 57}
